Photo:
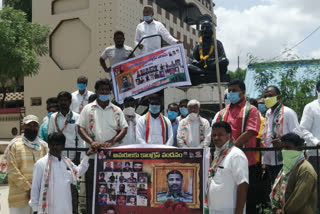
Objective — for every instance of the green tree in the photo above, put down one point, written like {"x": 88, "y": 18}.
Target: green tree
{"x": 21, "y": 44}
{"x": 23, "y": 5}
{"x": 239, "y": 74}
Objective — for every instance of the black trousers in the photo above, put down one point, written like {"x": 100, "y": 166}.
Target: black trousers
{"x": 251, "y": 198}
{"x": 89, "y": 185}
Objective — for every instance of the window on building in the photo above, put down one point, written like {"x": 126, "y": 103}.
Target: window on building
{"x": 181, "y": 23}
{"x": 141, "y": 1}
{"x": 150, "y": 2}
{"x": 171, "y": 31}
{"x": 167, "y": 15}
{"x": 178, "y": 35}
{"x": 36, "y": 101}
{"x": 188, "y": 27}
{"x": 175, "y": 19}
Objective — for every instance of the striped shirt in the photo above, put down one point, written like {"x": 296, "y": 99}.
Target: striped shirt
{"x": 20, "y": 168}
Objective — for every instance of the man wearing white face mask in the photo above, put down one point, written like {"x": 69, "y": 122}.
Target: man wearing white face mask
{"x": 132, "y": 119}
{"x": 194, "y": 130}
{"x": 153, "y": 127}
{"x": 310, "y": 123}
{"x": 152, "y": 27}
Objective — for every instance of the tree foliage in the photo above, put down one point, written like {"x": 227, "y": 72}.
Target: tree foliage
{"x": 239, "y": 74}
{"x": 296, "y": 90}
{"x": 22, "y": 5}
{"x": 21, "y": 44}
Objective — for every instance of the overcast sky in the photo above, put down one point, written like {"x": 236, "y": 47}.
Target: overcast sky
{"x": 265, "y": 28}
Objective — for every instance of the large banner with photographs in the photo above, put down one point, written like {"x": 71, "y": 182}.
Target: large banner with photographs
{"x": 149, "y": 73}
{"x": 150, "y": 180}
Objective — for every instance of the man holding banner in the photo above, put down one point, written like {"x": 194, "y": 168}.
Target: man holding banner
{"x": 153, "y": 127}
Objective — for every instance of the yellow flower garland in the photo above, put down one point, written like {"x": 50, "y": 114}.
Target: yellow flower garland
{"x": 204, "y": 58}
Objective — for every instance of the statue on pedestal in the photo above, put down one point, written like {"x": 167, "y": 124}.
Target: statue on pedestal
{"x": 202, "y": 64}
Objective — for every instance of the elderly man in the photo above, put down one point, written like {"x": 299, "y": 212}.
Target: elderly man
{"x": 129, "y": 107}
{"x": 149, "y": 27}
{"x": 194, "y": 130}
{"x": 64, "y": 121}
{"x": 279, "y": 120}
{"x": 80, "y": 97}
{"x": 115, "y": 53}
{"x": 21, "y": 155}
{"x": 244, "y": 120}
{"x": 175, "y": 182}
{"x": 153, "y": 127}
{"x": 295, "y": 188}
{"x": 50, "y": 193}
{"x": 228, "y": 175}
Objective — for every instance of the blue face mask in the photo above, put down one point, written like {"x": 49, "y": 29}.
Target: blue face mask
{"x": 49, "y": 114}
{"x": 233, "y": 97}
{"x": 172, "y": 115}
{"x": 154, "y": 109}
{"x": 184, "y": 111}
{"x": 147, "y": 18}
{"x": 104, "y": 97}
{"x": 262, "y": 107}
{"x": 81, "y": 86}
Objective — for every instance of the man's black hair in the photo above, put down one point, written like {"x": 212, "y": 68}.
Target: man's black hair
{"x": 174, "y": 172}
{"x": 118, "y": 33}
{"x": 223, "y": 124}
{"x": 277, "y": 90}
{"x": 129, "y": 99}
{"x": 102, "y": 82}
{"x": 52, "y": 100}
{"x": 183, "y": 101}
{"x": 154, "y": 97}
{"x": 239, "y": 83}
{"x": 253, "y": 102}
{"x": 56, "y": 138}
{"x": 64, "y": 94}
{"x": 82, "y": 79}
{"x": 172, "y": 104}
{"x": 292, "y": 138}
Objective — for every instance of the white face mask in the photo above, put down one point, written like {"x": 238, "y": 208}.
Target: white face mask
{"x": 129, "y": 111}
{"x": 193, "y": 116}
{"x": 318, "y": 95}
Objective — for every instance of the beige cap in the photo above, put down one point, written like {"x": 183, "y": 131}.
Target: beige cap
{"x": 30, "y": 118}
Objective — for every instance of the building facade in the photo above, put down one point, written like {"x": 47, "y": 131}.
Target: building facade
{"x": 82, "y": 29}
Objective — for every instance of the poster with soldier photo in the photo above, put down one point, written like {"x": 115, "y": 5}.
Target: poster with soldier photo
{"x": 144, "y": 180}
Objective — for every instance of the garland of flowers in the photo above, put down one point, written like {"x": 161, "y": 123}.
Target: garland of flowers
{"x": 185, "y": 129}
{"x": 204, "y": 58}
{"x": 68, "y": 120}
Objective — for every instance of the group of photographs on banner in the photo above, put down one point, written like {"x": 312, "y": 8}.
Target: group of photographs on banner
{"x": 149, "y": 73}
{"x": 144, "y": 179}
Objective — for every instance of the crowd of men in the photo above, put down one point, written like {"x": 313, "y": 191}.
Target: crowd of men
{"x": 40, "y": 171}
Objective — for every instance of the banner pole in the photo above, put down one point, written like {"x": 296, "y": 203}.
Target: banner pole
{"x": 217, "y": 65}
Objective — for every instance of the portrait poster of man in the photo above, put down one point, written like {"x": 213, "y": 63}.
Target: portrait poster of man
{"x": 141, "y": 179}
{"x": 149, "y": 73}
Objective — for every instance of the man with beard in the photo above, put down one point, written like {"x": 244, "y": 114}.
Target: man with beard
{"x": 64, "y": 121}
{"x": 21, "y": 155}
{"x": 175, "y": 182}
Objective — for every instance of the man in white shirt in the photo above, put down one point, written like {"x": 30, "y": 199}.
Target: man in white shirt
{"x": 81, "y": 96}
{"x": 151, "y": 27}
{"x": 132, "y": 118}
{"x": 115, "y": 53}
{"x": 228, "y": 177}
{"x": 51, "y": 193}
{"x": 194, "y": 130}
{"x": 310, "y": 127}
{"x": 153, "y": 127}
{"x": 64, "y": 121}
{"x": 279, "y": 121}
{"x": 102, "y": 124}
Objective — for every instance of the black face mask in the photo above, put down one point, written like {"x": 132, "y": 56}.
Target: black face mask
{"x": 30, "y": 134}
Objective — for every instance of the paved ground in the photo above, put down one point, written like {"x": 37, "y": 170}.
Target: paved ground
{"x": 4, "y": 209}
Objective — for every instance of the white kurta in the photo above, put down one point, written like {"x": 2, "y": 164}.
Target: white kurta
{"x": 290, "y": 124}
{"x": 130, "y": 137}
{"x": 78, "y": 100}
{"x": 59, "y": 192}
{"x": 232, "y": 171}
{"x": 194, "y": 133}
{"x": 310, "y": 125}
{"x": 70, "y": 131}
{"x": 144, "y": 29}
{"x": 155, "y": 132}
